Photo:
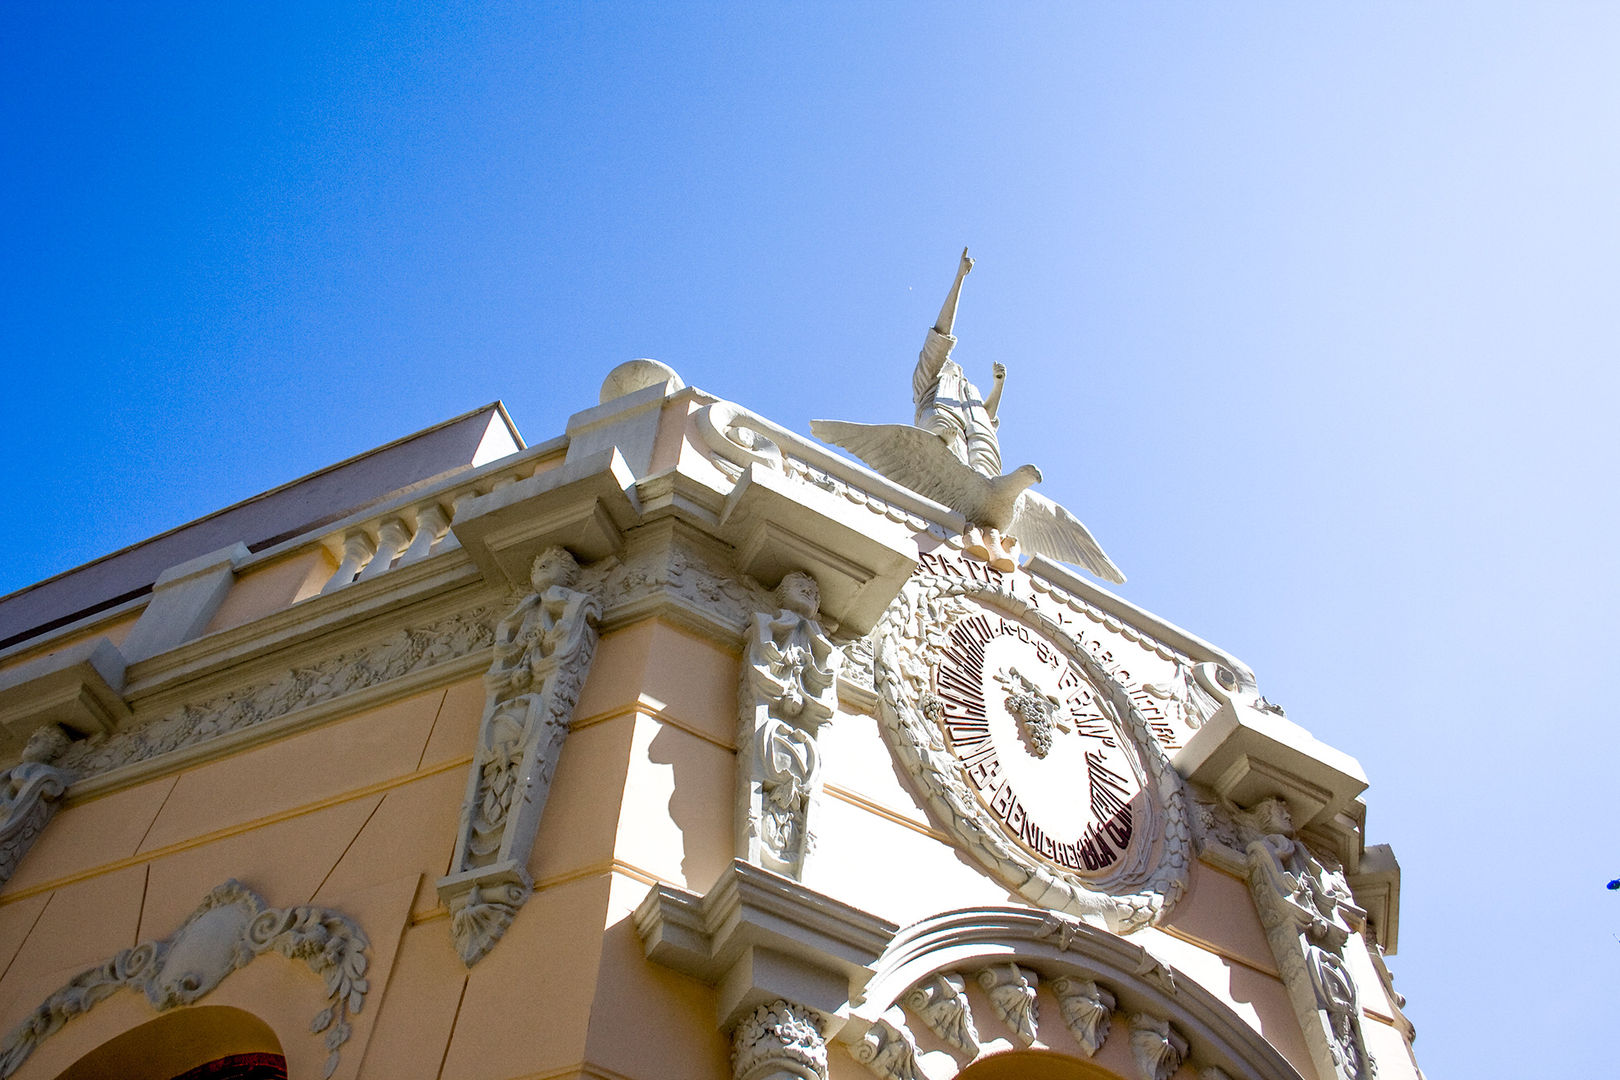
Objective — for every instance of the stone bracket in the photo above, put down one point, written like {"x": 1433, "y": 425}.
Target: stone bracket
{"x": 584, "y": 505}
{"x": 758, "y": 936}
{"x": 1245, "y": 754}
{"x": 80, "y": 687}
{"x": 778, "y": 525}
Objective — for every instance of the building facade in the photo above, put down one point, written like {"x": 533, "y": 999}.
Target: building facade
{"x": 677, "y": 746}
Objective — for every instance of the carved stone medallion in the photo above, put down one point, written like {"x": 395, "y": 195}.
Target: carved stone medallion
{"x": 1030, "y": 746}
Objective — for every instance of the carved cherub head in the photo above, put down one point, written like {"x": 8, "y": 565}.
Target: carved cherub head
{"x": 1271, "y": 816}
{"x": 553, "y": 566}
{"x": 45, "y": 745}
{"x": 799, "y": 593}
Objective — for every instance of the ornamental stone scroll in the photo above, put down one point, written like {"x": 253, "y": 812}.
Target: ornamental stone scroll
{"x": 543, "y": 650}
{"x": 788, "y": 690}
{"x": 29, "y": 792}
{"x": 1307, "y": 910}
{"x": 231, "y": 927}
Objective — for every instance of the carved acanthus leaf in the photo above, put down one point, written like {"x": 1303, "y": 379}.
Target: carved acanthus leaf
{"x": 941, "y": 1003}
{"x": 779, "y": 1039}
{"x": 231, "y": 927}
{"x": 888, "y": 1051}
{"x": 1088, "y": 1010}
{"x": 1157, "y": 1046}
{"x": 1011, "y": 990}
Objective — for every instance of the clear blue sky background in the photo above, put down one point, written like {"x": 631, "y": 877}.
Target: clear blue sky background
{"x": 1310, "y": 313}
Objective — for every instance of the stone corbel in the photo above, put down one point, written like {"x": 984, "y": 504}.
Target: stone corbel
{"x": 1248, "y": 751}
{"x": 757, "y": 936}
{"x": 79, "y": 687}
{"x": 1157, "y": 1046}
{"x": 778, "y": 525}
{"x": 232, "y": 927}
{"x": 788, "y": 690}
{"x": 543, "y": 650}
{"x": 584, "y": 505}
{"x": 29, "y": 792}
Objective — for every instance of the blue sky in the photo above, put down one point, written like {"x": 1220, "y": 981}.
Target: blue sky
{"x": 1310, "y": 313}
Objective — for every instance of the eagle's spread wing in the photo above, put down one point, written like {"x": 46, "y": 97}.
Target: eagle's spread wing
{"x": 910, "y": 456}
{"x": 1042, "y": 525}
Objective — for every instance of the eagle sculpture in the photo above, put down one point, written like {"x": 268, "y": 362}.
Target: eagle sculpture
{"x": 951, "y": 455}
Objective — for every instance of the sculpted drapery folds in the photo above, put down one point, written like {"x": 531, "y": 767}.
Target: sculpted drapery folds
{"x": 28, "y": 795}
{"x": 1306, "y": 907}
{"x": 543, "y": 650}
{"x": 789, "y": 677}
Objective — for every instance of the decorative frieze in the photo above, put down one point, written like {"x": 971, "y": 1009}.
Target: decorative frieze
{"x": 28, "y": 795}
{"x": 788, "y": 691}
{"x": 232, "y": 927}
{"x": 779, "y": 1041}
{"x": 1306, "y": 907}
{"x": 401, "y": 653}
{"x": 543, "y": 650}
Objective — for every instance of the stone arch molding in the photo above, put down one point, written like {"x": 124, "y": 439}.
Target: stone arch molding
{"x": 231, "y": 928}
{"x": 909, "y": 641}
{"x": 1107, "y": 989}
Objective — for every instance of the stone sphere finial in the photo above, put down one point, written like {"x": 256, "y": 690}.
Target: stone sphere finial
{"x": 633, "y": 375}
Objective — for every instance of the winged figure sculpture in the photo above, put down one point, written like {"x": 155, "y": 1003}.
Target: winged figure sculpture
{"x": 951, "y": 455}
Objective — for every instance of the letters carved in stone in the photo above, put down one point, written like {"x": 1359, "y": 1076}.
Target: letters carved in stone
{"x": 1304, "y": 905}
{"x": 543, "y": 650}
{"x": 231, "y": 927}
{"x": 788, "y": 691}
{"x": 994, "y": 698}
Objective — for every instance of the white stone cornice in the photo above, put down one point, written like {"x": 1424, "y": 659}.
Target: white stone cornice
{"x": 756, "y": 936}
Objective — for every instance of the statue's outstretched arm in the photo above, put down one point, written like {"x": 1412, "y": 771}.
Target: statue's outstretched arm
{"x": 937, "y": 345}
{"x": 998, "y": 374}
{"x": 947, "y": 313}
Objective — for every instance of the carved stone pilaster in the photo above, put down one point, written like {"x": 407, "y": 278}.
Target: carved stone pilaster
{"x": 1088, "y": 1009}
{"x": 1011, "y": 990}
{"x": 779, "y": 1041}
{"x": 29, "y": 792}
{"x": 1307, "y": 910}
{"x": 940, "y": 1002}
{"x": 788, "y": 690}
{"x": 231, "y": 928}
{"x": 1157, "y": 1047}
{"x": 543, "y": 651}
{"x": 888, "y": 1051}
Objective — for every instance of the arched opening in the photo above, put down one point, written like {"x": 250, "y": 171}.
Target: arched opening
{"x": 207, "y": 1042}
{"x": 1034, "y": 1065}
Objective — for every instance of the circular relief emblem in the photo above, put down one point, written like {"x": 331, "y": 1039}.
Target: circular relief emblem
{"x": 1034, "y": 756}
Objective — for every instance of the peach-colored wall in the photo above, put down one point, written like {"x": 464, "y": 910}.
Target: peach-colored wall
{"x": 275, "y": 585}
{"x": 360, "y": 814}
{"x": 114, "y": 630}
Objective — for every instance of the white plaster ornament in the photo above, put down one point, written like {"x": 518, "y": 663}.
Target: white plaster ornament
{"x": 230, "y": 928}
{"x": 788, "y": 690}
{"x": 951, "y": 455}
{"x": 543, "y": 650}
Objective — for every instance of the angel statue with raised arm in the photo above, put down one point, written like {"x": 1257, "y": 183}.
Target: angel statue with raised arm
{"x": 951, "y": 455}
